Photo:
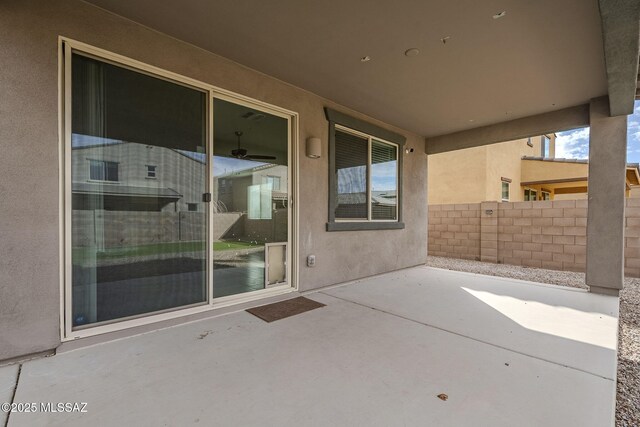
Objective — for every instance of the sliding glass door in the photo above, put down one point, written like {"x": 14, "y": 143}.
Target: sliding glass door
{"x": 251, "y": 199}
{"x": 138, "y": 175}
{"x": 174, "y": 197}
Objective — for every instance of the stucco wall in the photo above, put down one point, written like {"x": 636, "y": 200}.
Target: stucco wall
{"x": 535, "y": 170}
{"x": 474, "y": 174}
{"x": 504, "y": 160}
{"x": 458, "y": 176}
{"x": 29, "y": 254}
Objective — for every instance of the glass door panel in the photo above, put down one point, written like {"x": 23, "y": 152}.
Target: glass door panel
{"x": 250, "y": 196}
{"x": 138, "y": 173}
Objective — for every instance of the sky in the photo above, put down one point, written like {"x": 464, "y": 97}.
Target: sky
{"x": 222, "y": 165}
{"x": 353, "y": 180}
{"x": 225, "y": 165}
{"x": 574, "y": 144}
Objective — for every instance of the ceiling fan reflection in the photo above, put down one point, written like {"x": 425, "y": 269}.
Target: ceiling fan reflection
{"x": 242, "y": 153}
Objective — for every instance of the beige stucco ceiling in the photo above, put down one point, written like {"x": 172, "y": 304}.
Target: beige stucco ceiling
{"x": 542, "y": 56}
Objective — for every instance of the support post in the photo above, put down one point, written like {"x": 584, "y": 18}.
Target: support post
{"x": 605, "y": 216}
{"x": 489, "y": 232}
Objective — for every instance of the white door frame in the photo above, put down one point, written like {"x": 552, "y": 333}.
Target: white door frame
{"x": 67, "y": 333}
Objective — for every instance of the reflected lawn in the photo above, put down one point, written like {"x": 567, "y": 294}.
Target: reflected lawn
{"x": 81, "y": 254}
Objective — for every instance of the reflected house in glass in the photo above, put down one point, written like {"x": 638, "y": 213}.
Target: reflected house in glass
{"x": 383, "y": 203}
{"x": 174, "y": 185}
{"x": 251, "y": 208}
{"x": 231, "y": 190}
{"x": 138, "y": 173}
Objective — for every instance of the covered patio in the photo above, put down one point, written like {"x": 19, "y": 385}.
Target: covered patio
{"x": 350, "y": 100}
{"x": 503, "y": 351}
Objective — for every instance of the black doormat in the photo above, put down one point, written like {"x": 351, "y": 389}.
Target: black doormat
{"x": 283, "y": 309}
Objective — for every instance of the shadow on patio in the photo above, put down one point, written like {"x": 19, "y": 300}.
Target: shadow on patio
{"x": 506, "y": 352}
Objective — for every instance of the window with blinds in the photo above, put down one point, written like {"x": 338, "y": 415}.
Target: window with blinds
{"x": 352, "y": 156}
{"x": 366, "y": 172}
{"x": 101, "y": 170}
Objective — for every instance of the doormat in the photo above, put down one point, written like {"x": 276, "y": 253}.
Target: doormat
{"x": 284, "y": 309}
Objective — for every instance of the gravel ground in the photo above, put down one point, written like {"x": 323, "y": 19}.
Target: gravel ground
{"x": 628, "y": 395}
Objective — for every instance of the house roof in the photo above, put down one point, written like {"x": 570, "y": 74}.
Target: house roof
{"x": 123, "y": 190}
{"x": 472, "y": 70}
{"x": 556, "y": 159}
{"x": 632, "y": 171}
{"x": 86, "y": 142}
{"x": 379, "y": 198}
{"x": 246, "y": 172}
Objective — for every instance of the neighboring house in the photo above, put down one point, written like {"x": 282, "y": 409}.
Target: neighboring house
{"x": 561, "y": 179}
{"x": 231, "y": 189}
{"x": 513, "y": 171}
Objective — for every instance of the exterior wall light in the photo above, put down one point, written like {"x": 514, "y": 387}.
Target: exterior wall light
{"x": 314, "y": 148}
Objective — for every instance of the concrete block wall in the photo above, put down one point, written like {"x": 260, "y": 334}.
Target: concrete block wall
{"x": 454, "y": 231}
{"x": 489, "y": 242}
{"x": 545, "y": 234}
{"x": 632, "y": 238}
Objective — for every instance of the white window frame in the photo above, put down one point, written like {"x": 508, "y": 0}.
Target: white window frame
{"x": 545, "y": 142}
{"x": 531, "y": 190}
{"x": 104, "y": 166}
{"x": 155, "y": 171}
{"x": 502, "y": 183}
{"x": 272, "y": 179}
{"x": 370, "y": 139}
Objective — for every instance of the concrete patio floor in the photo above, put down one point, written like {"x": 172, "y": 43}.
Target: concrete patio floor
{"x": 506, "y": 352}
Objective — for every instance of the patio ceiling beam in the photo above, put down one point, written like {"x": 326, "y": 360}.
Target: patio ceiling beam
{"x": 554, "y": 121}
{"x": 620, "y": 33}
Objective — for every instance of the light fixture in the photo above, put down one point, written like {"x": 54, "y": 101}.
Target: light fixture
{"x": 445, "y": 39}
{"x": 314, "y": 148}
{"x": 500, "y": 14}
{"x": 365, "y": 59}
{"x": 408, "y": 150}
{"x": 411, "y": 52}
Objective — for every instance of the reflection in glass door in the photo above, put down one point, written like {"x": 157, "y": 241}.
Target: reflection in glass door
{"x": 250, "y": 199}
{"x": 138, "y": 175}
